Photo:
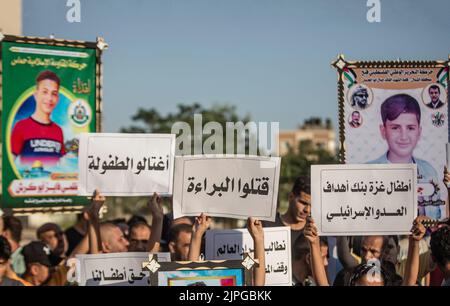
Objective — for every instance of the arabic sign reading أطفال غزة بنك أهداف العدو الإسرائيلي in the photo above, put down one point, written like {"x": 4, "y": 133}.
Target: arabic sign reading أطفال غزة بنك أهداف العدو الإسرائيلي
{"x": 372, "y": 199}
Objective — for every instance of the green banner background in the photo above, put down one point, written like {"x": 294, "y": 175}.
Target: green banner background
{"x": 78, "y": 85}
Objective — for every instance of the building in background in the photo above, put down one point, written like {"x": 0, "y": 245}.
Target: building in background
{"x": 314, "y": 132}
{"x": 11, "y": 17}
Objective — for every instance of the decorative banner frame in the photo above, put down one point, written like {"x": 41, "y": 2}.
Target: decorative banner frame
{"x": 368, "y": 134}
{"x": 241, "y": 271}
{"x": 53, "y": 189}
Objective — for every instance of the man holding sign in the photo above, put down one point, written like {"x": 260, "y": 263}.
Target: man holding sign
{"x": 298, "y": 210}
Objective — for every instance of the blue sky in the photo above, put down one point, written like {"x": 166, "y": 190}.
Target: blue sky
{"x": 271, "y": 58}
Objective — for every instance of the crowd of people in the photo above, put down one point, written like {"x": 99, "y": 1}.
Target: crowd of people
{"x": 421, "y": 258}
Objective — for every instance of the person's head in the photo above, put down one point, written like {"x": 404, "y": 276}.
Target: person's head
{"x": 360, "y": 97}
{"x": 136, "y": 219}
{"x": 356, "y": 117}
{"x": 179, "y": 241}
{"x": 47, "y": 92}
{"x": 5, "y": 255}
{"x": 37, "y": 262}
{"x": 440, "y": 248}
{"x": 12, "y": 230}
{"x": 369, "y": 274}
{"x": 434, "y": 93}
{"x": 300, "y": 199}
{"x": 169, "y": 222}
{"x": 301, "y": 256}
{"x": 401, "y": 128}
{"x": 51, "y": 235}
{"x": 372, "y": 248}
{"x": 384, "y": 248}
{"x": 113, "y": 239}
{"x": 139, "y": 236}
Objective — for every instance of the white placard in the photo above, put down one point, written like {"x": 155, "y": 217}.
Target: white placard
{"x": 126, "y": 164}
{"x": 114, "y": 269}
{"x": 231, "y": 244}
{"x": 372, "y": 199}
{"x": 230, "y": 186}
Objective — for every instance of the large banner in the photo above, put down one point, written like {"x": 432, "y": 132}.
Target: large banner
{"x": 354, "y": 200}
{"x": 114, "y": 269}
{"x": 48, "y": 98}
{"x": 397, "y": 112}
{"x": 126, "y": 164}
{"x": 232, "y": 244}
{"x": 229, "y": 186}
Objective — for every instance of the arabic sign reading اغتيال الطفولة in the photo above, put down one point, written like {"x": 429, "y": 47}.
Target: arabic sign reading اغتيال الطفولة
{"x": 126, "y": 164}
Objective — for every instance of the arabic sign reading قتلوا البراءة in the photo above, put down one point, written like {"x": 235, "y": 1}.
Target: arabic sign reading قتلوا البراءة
{"x": 228, "y": 186}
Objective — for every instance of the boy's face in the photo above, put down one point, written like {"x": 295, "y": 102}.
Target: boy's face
{"x": 402, "y": 134}
{"x": 46, "y": 96}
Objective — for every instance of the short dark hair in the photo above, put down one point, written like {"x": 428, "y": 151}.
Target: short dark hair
{"x": 137, "y": 224}
{"x": 136, "y": 219}
{"x": 47, "y": 227}
{"x": 13, "y": 225}
{"x": 440, "y": 245}
{"x": 177, "y": 229}
{"x": 5, "y": 249}
{"x": 399, "y": 104}
{"x": 301, "y": 184}
{"x": 434, "y": 87}
{"x": 48, "y": 75}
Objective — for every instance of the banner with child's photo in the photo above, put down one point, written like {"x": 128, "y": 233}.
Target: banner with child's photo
{"x": 397, "y": 112}
{"x": 49, "y": 97}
